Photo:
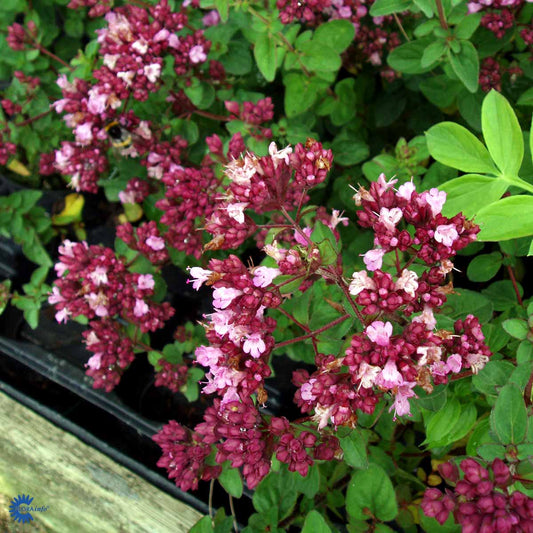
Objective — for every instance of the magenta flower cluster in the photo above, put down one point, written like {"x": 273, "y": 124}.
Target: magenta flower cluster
{"x": 481, "y": 499}
{"x": 95, "y": 283}
{"x": 398, "y": 347}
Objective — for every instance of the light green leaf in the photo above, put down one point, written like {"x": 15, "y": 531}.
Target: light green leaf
{"x": 231, "y": 480}
{"x": 406, "y": 58}
{"x": 508, "y": 218}
{"x": 433, "y": 52}
{"x": 469, "y": 193}
{"x": 502, "y": 133}
{"x": 454, "y": 146}
{"x": 317, "y": 56}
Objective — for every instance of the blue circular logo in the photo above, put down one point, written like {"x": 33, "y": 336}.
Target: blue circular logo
{"x": 18, "y": 508}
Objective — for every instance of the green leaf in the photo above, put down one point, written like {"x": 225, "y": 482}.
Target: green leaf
{"x": 317, "y": 56}
{"x": 469, "y": 193}
{"x": 231, "y": 480}
{"x": 502, "y": 133}
{"x": 441, "y": 423}
{"x": 315, "y": 523}
{"x": 468, "y": 25}
{"x": 508, "y": 419}
{"x": 508, "y": 218}
{"x": 465, "y": 64}
{"x": 484, "y": 267}
{"x": 454, "y": 146}
{"x": 371, "y": 489}
{"x": 266, "y": 56}
{"x": 516, "y": 327}
{"x": 502, "y": 294}
{"x": 406, "y": 58}
{"x": 336, "y": 34}
{"x": 494, "y": 376}
{"x": 354, "y": 448}
{"x": 381, "y": 8}
{"x": 440, "y": 90}
{"x": 204, "y": 525}
{"x": 222, "y": 7}
{"x": 300, "y": 93}
{"x": 433, "y": 52}
{"x": 526, "y": 98}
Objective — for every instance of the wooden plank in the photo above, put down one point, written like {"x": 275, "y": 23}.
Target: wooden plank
{"x": 85, "y": 491}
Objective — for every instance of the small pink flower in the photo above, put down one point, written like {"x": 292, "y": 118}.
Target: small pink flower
{"x": 379, "y": 332}
{"x": 401, "y": 400}
{"x": 263, "y": 276}
{"x": 279, "y": 155}
{"x": 476, "y": 361}
{"x": 95, "y": 361}
{"x": 427, "y": 318}
{"x": 99, "y": 276}
{"x": 407, "y": 282}
{"x": 306, "y": 391}
{"x": 84, "y": 133}
{"x": 152, "y": 72}
{"x": 223, "y": 296}
{"x": 141, "y": 308}
{"x": 389, "y": 377}
{"x": 197, "y": 54}
{"x": 145, "y": 281}
{"x": 435, "y": 199}
{"x": 361, "y": 281}
{"x": 254, "y": 345}
{"x": 446, "y": 234}
{"x": 208, "y": 355}
{"x": 300, "y": 239}
{"x": 200, "y": 275}
{"x": 373, "y": 259}
{"x": 55, "y": 296}
{"x": 406, "y": 190}
{"x": 337, "y": 218}
{"x": 236, "y": 211}
{"x": 367, "y": 374}
{"x": 211, "y": 19}
{"x": 62, "y": 316}
{"x": 454, "y": 363}
{"x": 383, "y": 184}
{"x": 155, "y": 243}
{"x": 390, "y": 217}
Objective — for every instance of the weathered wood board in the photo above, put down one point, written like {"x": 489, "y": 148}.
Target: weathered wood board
{"x": 85, "y": 491}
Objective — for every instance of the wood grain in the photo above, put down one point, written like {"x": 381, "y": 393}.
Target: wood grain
{"x": 85, "y": 490}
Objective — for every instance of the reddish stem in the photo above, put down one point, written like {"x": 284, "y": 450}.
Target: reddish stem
{"x": 290, "y": 317}
{"x": 32, "y": 119}
{"x": 314, "y": 333}
{"x": 515, "y": 284}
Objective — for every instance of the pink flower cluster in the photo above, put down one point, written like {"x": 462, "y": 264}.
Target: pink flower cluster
{"x": 372, "y": 38}
{"x": 243, "y": 437}
{"x": 172, "y": 376}
{"x": 145, "y": 239}
{"x": 239, "y": 334}
{"x": 379, "y": 361}
{"x": 95, "y": 283}
{"x": 481, "y": 499}
{"x": 98, "y": 8}
{"x": 498, "y": 15}
{"x": 262, "y": 184}
{"x": 133, "y": 47}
